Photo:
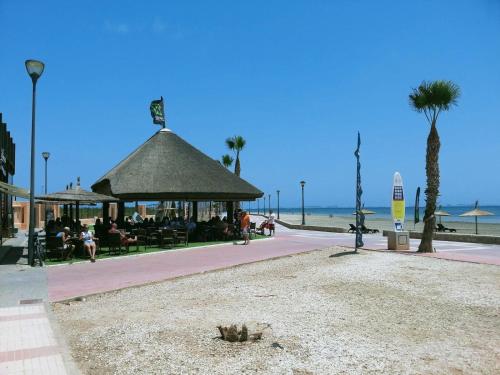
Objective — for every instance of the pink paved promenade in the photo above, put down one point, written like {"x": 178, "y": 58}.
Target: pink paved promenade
{"x": 69, "y": 281}
{"x": 87, "y": 278}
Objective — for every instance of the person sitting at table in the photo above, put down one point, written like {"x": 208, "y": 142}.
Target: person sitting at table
{"x": 66, "y": 239}
{"x": 88, "y": 242}
{"x": 58, "y": 225}
{"x": 126, "y": 241}
{"x": 50, "y": 229}
{"x": 191, "y": 227}
{"x": 98, "y": 227}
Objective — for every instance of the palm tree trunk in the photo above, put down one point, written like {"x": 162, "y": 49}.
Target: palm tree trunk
{"x": 432, "y": 191}
{"x": 237, "y": 171}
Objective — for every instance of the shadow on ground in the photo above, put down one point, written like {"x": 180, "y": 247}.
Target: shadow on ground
{"x": 11, "y": 254}
{"x": 341, "y": 254}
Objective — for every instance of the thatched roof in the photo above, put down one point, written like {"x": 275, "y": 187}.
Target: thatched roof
{"x": 77, "y": 194}
{"x": 477, "y": 212}
{"x": 166, "y": 167}
{"x": 13, "y": 190}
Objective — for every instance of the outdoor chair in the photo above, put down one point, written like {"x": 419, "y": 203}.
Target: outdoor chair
{"x": 352, "y": 228}
{"x": 167, "y": 238}
{"x": 142, "y": 238}
{"x": 55, "y": 245}
{"x": 368, "y": 230}
{"x": 442, "y": 228}
{"x": 253, "y": 230}
{"x": 181, "y": 237}
{"x": 114, "y": 243}
{"x": 153, "y": 237}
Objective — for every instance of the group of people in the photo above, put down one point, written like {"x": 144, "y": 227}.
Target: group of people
{"x": 86, "y": 236}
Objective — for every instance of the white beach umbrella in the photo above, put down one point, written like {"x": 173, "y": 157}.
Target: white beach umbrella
{"x": 441, "y": 213}
{"x": 477, "y": 212}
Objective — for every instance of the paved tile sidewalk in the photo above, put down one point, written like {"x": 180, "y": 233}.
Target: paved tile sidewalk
{"x": 27, "y": 342}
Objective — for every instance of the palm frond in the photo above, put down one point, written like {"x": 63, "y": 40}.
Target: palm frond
{"x": 230, "y": 143}
{"x": 434, "y": 97}
{"x": 239, "y": 142}
{"x": 227, "y": 160}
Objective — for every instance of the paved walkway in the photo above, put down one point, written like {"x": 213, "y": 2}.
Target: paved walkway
{"x": 27, "y": 342}
{"x": 29, "y": 339}
{"x": 69, "y": 281}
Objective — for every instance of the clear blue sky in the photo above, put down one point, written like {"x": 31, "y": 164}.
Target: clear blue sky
{"x": 296, "y": 79}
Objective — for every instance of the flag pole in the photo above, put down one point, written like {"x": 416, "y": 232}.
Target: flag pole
{"x": 163, "y": 112}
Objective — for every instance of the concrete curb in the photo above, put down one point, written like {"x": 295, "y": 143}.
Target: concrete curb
{"x": 457, "y": 237}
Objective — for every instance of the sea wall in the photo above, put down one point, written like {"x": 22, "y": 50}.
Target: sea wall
{"x": 457, "y": 237}
{"x": 308, "y": 227}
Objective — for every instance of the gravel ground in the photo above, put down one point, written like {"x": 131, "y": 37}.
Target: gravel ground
{"x": 370, "y": 313}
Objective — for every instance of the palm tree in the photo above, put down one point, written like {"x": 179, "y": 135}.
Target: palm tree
{"x": 431, "y": 98}
{"x": 227, "y": 160}
{"x": 236, "y": 144}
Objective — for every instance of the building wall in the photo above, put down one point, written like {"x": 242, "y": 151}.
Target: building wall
{"x": 22, "y": 214}
{"x": 7, "y": 170}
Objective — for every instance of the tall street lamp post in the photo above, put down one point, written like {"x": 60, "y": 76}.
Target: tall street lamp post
{"x": 35, "y": 70}
{"x": 264, "y": 210}
{"x": 269, "y": 203}
{"x": 302, "y": 183}
{"x": 258, "y": 208}
{"x": 46, "y": 156}
{"x": 278, "y": 196}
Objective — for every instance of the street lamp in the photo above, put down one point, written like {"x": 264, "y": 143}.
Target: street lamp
{"x": 35, "y": 70}
{"x": 264, "y": 210}
{"x": 302, "y": 183}
{"x": 269, "y": 201}
{"x": 258, "y": 208}
{"x": 278, "y": 195}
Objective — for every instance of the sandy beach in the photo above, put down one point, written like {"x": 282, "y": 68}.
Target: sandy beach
{"x": 371, "y": 313}
{"x": 381, "y": 224}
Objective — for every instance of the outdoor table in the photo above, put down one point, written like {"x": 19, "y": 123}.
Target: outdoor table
{"x": 78, "y": 244}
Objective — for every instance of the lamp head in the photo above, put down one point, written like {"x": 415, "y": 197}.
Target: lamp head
{"x": 34, "y": 69}
{"x": 302, "y": 183}
{"x": 46, "y": 155}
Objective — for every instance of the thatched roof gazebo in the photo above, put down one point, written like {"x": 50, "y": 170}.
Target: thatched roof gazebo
{"x": 166, "y": 167}
{"x": 76, "y": 195}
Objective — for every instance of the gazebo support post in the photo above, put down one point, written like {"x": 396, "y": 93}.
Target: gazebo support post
{"x": 77, "y": 216}
{"x": 195, "y": 211}
{"x": 230, "y": 212}
{"x": 105, "y": 214}
{"x": 65, "y": 210}
{"x": 71, "y": 217}
{"x": 120, "y": 214}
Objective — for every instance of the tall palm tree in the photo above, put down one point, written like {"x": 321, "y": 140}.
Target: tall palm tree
{"x": 227, "y": 160}
{"x": 236, "y": 144}
{"x": 431, "y": 98}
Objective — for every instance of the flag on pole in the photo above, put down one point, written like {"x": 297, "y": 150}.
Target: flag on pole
{"x": 360, "y": 217}
{"x": 417, "y": 208}
{"x": 157, "y": 109}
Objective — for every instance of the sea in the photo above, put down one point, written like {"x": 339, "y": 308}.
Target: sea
{"x": 385, "y": 212}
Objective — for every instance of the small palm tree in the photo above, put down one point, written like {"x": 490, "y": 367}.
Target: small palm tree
{"x": 432, "y": 98}
{"x": 236, "y": 144}
{"x": 227, "y": 160}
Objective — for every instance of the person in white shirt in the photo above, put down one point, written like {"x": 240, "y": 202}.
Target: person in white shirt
{"x": 270, "y": 223}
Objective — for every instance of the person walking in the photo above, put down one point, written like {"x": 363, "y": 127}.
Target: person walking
{"x": 270, "y": 222}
